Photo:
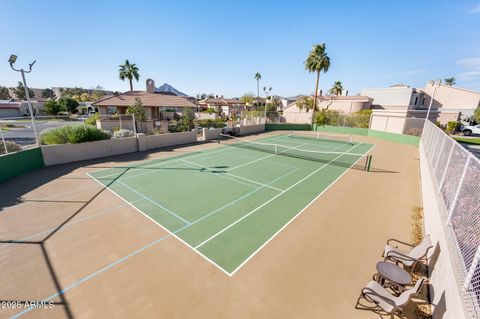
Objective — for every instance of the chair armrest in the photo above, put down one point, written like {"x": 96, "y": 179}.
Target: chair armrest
{"x": 396, "y": 255}
{"x": 367, "y": 292}
{"x": 399, "y": 241}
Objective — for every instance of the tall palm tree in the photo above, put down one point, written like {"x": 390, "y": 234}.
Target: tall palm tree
{"x": 128, "y": 71}
{"x": 258, "y": 77}
{"x": 317, "y": 61}
{"x": 337, "y": 88}
{"x": 450, "y": 81}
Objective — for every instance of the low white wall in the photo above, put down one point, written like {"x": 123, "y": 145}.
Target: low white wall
{"x": 66, "y": 153}
{"x": 446, "y": 294}
{"x": 211, "y": 134}
{"x": 250, "y": 129}
{"x": 147, "y": 142}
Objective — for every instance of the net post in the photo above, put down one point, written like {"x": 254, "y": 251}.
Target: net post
{"x": 369, "y": 162}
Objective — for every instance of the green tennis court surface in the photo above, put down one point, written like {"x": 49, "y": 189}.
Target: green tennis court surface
{"x": 227, "y": 202}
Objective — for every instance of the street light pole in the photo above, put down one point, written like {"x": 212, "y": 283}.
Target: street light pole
{"x": 435, "y": 86}
{"x": 267, "y": 92}
{"x": 12, "y": 60}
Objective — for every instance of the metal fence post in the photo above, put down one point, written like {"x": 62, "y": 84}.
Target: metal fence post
{"x": 134, "y": 125}
{"x": 441, "y": 150}
{"x": 3, "y": 141}
{"x": 446, "y": 167}
{"x": 471, "y": 270}
{"x": 120, "y": 122}
{"x": 454, "y": 203}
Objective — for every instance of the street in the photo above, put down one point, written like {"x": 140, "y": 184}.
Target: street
{"x": 25, "y": 136}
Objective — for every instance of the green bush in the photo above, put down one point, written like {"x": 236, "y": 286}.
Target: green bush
{"x": 73, "y": 134}
{"x": 11, "y": 147}
{"x": 92, "y": 120}
{"x": 218, "y": 123}
{"x": 452, "y": 126}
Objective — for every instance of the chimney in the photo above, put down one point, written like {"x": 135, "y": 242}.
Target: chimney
{"x": 150, "y": 86}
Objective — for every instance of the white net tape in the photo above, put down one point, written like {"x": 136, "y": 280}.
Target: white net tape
{"x": 457, "y": 178}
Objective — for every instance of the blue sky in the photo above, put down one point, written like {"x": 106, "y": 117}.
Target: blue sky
{"x": 217, "y": 46}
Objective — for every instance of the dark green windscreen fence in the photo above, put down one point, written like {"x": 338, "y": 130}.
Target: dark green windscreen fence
{"x": 15, "y": 164}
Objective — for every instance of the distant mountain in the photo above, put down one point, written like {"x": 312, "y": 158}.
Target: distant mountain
{"x": 167, "y": 88}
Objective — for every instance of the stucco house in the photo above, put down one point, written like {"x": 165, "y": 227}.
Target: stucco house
{"x": 343, "y": 104}
{"x": 396, "y": 97}
{"x": 452, "y": 102}
{"x": 160, "y": 108}
{"x": 12, "y": 108}
{"x": 228, "y": 107}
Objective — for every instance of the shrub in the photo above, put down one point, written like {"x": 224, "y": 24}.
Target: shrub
{"x": 211, "y": 110}
{"x": 218, "y": 123}
{"x": 68, "y": 104}
{"x": 92, "y": 120}
{"x": 52, "y": 107}
{"x": 11, "y": 147}
{"x": 73, "y": 134}
{"x": 123, "y": 133}
{"x": 452, "y": 126}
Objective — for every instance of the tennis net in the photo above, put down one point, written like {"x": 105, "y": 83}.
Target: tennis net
{"x": 336, "y": 138}
{"x": 344, "y": 159}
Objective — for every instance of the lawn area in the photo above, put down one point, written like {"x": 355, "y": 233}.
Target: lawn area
{"x": 467, "y": 140}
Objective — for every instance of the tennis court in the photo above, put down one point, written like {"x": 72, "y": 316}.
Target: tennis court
{"x": 226, "y": 203}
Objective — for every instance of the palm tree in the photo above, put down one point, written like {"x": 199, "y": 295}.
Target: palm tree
{"x": 128, "y": 71}
{"x": 450, "y": 81}
{"x": 258, "y": 77}
{"x": 317, "y": 61}
{"x": 337, "y": 88}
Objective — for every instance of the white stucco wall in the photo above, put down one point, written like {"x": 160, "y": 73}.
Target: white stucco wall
{"x": 450, "y": 97}
{"x": 67, "y": 153}
{"x": 390, "y": 97}
{"x": 250, "y": 129}
{"x": 147, "y": 142}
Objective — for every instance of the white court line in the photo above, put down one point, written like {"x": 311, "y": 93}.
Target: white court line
{"x": 74, "y": 222}
{"x": 194, "y": 222}
{"x": 155, "y": 203}
{"x": 252, "y": 181}
{"x": 218, "y": 175}
{"x": 140, "y": 164}
{"x": 272, "y": 199}
{"x": 294, "y": 217}
{"x": 261, "y": 158}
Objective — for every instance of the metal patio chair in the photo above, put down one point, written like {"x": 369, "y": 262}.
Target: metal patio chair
{"x": 382, "y": 302}
{"x": 410, "y": 258}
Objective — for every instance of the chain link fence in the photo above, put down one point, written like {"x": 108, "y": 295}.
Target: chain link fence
{"x": 456, "y": 174}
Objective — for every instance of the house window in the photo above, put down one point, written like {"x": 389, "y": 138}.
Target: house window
{"x": 416, "y": 101}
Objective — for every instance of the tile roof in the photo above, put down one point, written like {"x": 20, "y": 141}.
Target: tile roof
{"x": 148, "y": 99}
{"x": 221, "y": 101}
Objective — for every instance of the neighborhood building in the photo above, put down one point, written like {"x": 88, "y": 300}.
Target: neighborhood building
{"x": 344, "y": 104}
{"x": 12, "y": 108}
{"x": 396, "y": 97}
{"x": 227, "y": 107}
{"x": 160, "y": 108}
{"x": 453, "y": 103}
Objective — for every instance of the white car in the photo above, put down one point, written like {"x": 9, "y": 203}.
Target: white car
{"x": 472, "y": 129}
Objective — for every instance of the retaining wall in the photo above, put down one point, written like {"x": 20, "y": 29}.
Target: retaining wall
{"x": 250, "y": 129}
{"x": 148, "y": 142}
{"x": 211, "y": 134}
{"x": 66, "y": 153}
